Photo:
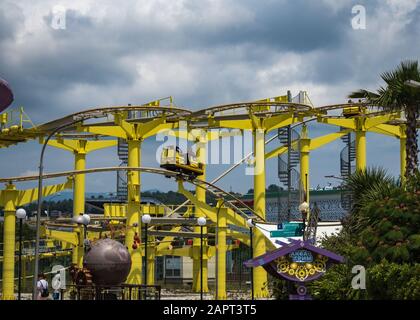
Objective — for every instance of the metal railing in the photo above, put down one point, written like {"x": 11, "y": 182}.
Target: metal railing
{"x": 118, "y": 292}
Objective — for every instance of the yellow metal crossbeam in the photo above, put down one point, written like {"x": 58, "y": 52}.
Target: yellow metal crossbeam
{"x": 65, "y": 236}
{"x": 377, "y": 120}
{"x": 30, "y": 195}
{"x": 318, "y": 142}
{"x": 388, "y": 129}
{"x": 340, "y": 122}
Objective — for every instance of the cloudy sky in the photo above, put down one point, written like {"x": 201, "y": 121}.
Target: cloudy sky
{"x": 202, "y": 53}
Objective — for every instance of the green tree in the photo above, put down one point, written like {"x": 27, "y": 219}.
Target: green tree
{"x": 382, "y": 233}
{"x": 397, "y": 96}
{"x": 366, "y": 186}
{"x": 274, "y": 188}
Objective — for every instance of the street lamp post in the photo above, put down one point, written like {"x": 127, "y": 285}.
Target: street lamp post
{"x": 20, "y": 214}
{"x": 146, "y": 219}
{"x": 304, "y": 209}
{"x": 40, "y": 195}
{"x": 84, "y": 220}
{"x": 201, "y": 222}
{"x": 251, "y": 225}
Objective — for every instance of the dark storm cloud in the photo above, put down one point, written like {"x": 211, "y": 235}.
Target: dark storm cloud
{"x": 302, "y": 26}
{"x": 254, "y": 35}
{"x": 299, "y": 26}
{"x": 11, "y": 20}
{"x": 92, "y": 51}
{"x": 364, "y": 54}
{"x": 74, "y": 56}
{"x": 201, "y": 52}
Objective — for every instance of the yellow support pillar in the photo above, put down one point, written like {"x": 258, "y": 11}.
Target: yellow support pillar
{"x": 221, "y": 254}
{"x": 78, "y": 250}
{"x": 151, "y": 256}
{"x": 9, "y": 197}
{"x": 79, "y": 203}
{"x": 304, "y": 161}
{"x": 79, "y": 183}
{"x": 133, "y": 212}
{"x": 360, "y": 148}
{"x": 200, "y": 194}
{"x": 260, "y": 275}
{"x": 80, "y": 148}
{"x": 134, "y": 134}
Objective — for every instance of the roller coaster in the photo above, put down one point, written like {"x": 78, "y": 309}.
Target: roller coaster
{"x": 84, "y": 132}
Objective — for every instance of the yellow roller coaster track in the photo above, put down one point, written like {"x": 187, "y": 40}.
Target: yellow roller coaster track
{"x": 202, "y": 184}
{"x": 9, "y": 136}
{"x": 261, "y": 117}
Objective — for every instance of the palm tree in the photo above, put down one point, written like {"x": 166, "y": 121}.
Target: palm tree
{"x": 397, "y": 96}
{"x": 367, "y": 185}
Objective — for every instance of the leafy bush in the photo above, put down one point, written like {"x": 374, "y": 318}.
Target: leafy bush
{"x": 383, "y": 235}
{"x": 384, "y": 281}
{"x": 390, "y": 229}
{"x": 394, "y": 281}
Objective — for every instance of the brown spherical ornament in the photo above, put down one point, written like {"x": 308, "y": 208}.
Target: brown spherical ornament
{"x": 108, "y": 261}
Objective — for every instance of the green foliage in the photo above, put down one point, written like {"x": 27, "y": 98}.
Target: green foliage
{"x": 274, "y": 188}
{"x": 394, "y": 281}
{"x": 393, "y": 230}
{"x": 370, "y": 184}
{"x": 384, "y": 281}
{"x": 335, "y": 285}
{"x": 383, "y": 235}
{"x": 280, "y": 289}
{"x": 367, "y": 187}
{"x": 65, "y": 206}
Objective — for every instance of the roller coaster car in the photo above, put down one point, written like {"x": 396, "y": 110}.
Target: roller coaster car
{"x": 352, "y": 111}
{"x": 173, "y": 159}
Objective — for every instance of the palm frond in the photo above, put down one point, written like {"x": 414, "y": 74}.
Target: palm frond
{"x": 363, "y": 181}
{"x": 363, "y": 94}
{"x": 395, "y": 95}
{"x": 367, "y": 186}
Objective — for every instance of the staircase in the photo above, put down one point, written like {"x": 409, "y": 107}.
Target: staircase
{"x": 122, "y": 175}
{"x": 286, "y": 137}
{"x": 288, "y": 174}
{"x": 347, "y": 167}
{"x": 347, "y": 156}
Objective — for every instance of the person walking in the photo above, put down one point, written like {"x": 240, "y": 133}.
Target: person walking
{"x": 42, "y": 287}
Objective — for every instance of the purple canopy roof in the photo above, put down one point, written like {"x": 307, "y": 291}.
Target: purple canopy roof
{"x": 267, "y": 260}
{"x": 6, "y": 95}
{"x": 288, "y": 248}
